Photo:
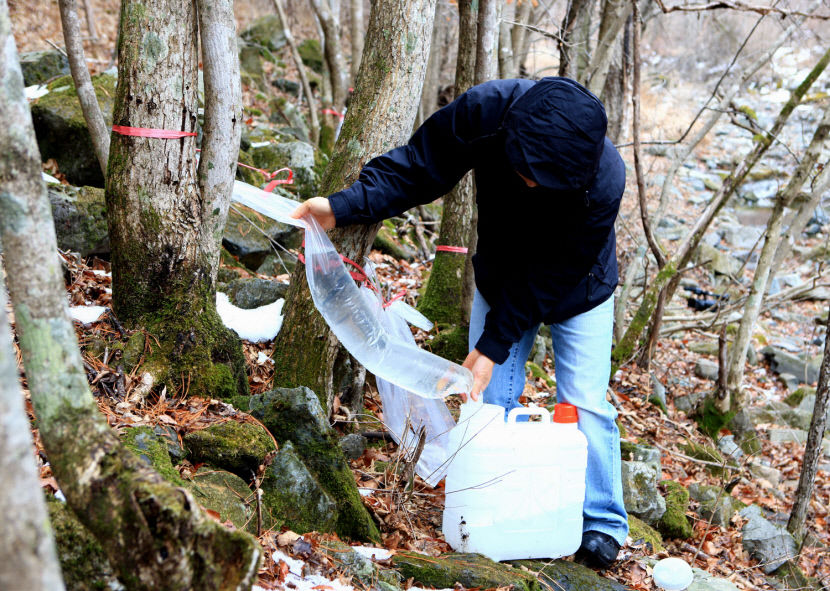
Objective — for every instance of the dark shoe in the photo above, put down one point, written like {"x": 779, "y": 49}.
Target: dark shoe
{"x": 598, "y": 550}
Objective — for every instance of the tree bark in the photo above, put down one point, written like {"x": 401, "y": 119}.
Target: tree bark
{"x": 666, "y": 277}
{"x": 166, "y": 218}
{"x": 333, "y": 50}
{"x": 83, "y": 83}
{"x": 298, "y": 63}
{"x": 444, "y": 297}
{"x": 487, "y": 41}
{"x": 614, "y": 16}
{"x": 574, "y": 44}
{"x": 429, "y": 92}
{"x": 153, "y": 533}
{"x": 380, "y": 117}
{"x": 357, "y": 36}
{"x": 736, "y": 397}
{"x": 518, "y": 37}
{"x": 617, "y": 88}
{"x": 26, "y": 542}
{"x": 505, "y": 52}
{"x": 813, "y": 448}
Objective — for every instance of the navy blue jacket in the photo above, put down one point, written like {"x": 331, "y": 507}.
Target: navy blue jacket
{"x": 544, "y": 254}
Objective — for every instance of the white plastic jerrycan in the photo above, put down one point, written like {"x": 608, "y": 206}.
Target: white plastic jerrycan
{"x": 515, "y": 490}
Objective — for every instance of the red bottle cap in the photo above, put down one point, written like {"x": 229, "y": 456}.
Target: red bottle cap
{"x": 564, "y": 413}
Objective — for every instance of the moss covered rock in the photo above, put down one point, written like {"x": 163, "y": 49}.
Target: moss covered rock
{"x": 717, "y": 466}
{"x": 251, "y": 245}
{"x": 84, "y": 565}
{"x": 296, "y": 155}
{"x": 641, "y": 532}
{"x": 359, "y": 567}
{"x": 295, "y": 414}
{"x": 252, "y": 292}
{"x": 267, "y": 32}
{"x": 674, "y": 523}
{"x": 152, "y": 448}
{"x": 563, "y": 575}
{"x": 640, "y": 494}
{"x": 293, "y": 498}
{"x": 80, "y": 216}
{"x": 311, "y": 54}
{"x": 794, "y": 399}
{"x": 61, "y": 130}
{"x": 41, "y": 66}
{"x": 714, "y": 504}
{"x": 470, "y": 570}
{"x": 640, "y": 452}
{"x": 387, "y": 242}
{"x": 236, "y": 447}
{"x": 226, "y": 494}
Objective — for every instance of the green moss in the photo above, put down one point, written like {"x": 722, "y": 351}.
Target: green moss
{"x": 327, "y": 139}
{"x": 236, "y": 447}
{"x": 152, "y": 449}
{"x": 792, "y": 577}
{"x": 537, "y": 372}
{"x": 674, "y": 523}
{"x": 749, "y": 112}
{"x": 246, "y": 175}
{"x": 84, "y": 565}
{"x": 443, "y": 296}
{"x": 470, "y": 570}
{"x": 559, "y": 575}
{"x": 658, "y": 402}
{"x": 710, "y": 420}
{"x": 707, "y": 453}
{"x": 387, "y": 242}
{"x": 226, "y": 494}
{"x": 796, "y": 397}
{"x": 133, "y": 350}
{"x": 451, "y": 342}
{"x": 311, "y": 54}
{"x": 640, "y": 531}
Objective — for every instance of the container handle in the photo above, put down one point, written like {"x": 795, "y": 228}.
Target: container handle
{"x": 529, "y": 412}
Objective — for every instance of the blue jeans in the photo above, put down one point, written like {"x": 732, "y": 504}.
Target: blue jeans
{"x": 582, "y": 351}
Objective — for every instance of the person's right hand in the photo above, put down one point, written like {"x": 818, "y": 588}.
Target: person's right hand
{"x": 320, "y": 208}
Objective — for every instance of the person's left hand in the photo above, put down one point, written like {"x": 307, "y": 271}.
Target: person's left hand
{"x": 482, "y": 368}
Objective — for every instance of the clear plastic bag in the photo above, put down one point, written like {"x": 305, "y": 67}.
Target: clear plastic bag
{"x": 350, "y": 315}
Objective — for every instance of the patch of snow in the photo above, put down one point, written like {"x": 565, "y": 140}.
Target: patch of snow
{"x": 257, "y": 325}
{"x": 101, "y": 273}
{"x": 263, "y": 358}
{"x": 35, "y": 91}
{"x": 373, "y": 553}
{"x": 366, "y": 492}
{"x": 260, "y": 144}
{"x": 316, "y": 581}
{"x": 60, "y": 496}
{"x": 86, "y": 314}
{"x": 294, "y": 566}
{"x": 49, "y": 179}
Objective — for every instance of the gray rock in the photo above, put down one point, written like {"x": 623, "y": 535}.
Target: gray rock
{"x": 727, "y": 445}
{"x": 277, "y": 264}
{"x": 772, "y": 545}
{"x": 768, "y": 473}
{"x": 639, "y": 452}
{"x": 790, "y": 381}
{"x": 252, "y": 292}
{"x": 717, "y": 261}
{"x": 807, "y": 406}
{"x": 714, "y": 504}
{"x": 80, "y": 216}
{"x": 296, "y": 155}
{"x": 267, "y": 32}
{"x": 787, "y": 435}
{"x": 707, "y": 370}
{"x": 782, "y": 362}
{"x": 250, "y": 245}
{"x": 295, "y": 496}
{"x": 353, "y": 445}
{"x": 41, "y": 66}
{"x": 537, "y": 354}
{"x": 703, "y": 581}
{"x": 688, "y": 402}
{"x": 61, "y": 129}
{"x": 640, "y": 494}
{"x": 704, "y": 348}
{"x": 658, "y": 391}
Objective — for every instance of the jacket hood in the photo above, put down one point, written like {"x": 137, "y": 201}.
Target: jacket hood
{"x": 554, "y": 134}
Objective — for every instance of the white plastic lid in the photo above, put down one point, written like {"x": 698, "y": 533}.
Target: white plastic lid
{"x": 672, "y": 574}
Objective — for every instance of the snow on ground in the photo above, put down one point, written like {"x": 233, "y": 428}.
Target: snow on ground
{"x": 86, "y": 314}
{"x": 296, "y": 581}
{"x": 36, "y": 91}
{"x": 373, "y": 553}
{"x": 257, "y": 325}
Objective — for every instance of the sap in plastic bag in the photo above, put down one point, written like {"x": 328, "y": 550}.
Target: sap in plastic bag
{"x": 351, "y": 316}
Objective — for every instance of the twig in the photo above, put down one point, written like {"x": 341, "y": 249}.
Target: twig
{"x": 739, "y": 6}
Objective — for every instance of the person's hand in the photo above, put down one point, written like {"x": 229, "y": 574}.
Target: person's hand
{"x": 482, "y": 368}
{"x": 320, "y": 208}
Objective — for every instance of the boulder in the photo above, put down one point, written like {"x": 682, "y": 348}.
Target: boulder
{"x": 642, "y": 533}
{"x": 640, "y": 452}
{"x": 267, "y": 32}
{"x": 84, "y": 565}
{"x": 252, "y": 292}
{"x": 150, "y": 447}
{"x": 771, "y": 475}
{"x": 293, "y": 496}
{"x": 564, "y": 575}
{"x": 781, "y": 362}
{"x": 470, "y": 570}
{"x": 80, "y": 216}
{"x": 61, "y": 130}
{"x": 311, "y": 54}
{"x": 688, "y": 402}
{"x": 714, "y": 504}
{"x": 353, "y": 445}
{"x": 640, "y": 494}
{"x": 250, "y": 245}
{"x": 236, "y": 447}
{"x": 296, "y": 415}
{"x": 771, "y": 545}
{"x": 298, "y": 156}
{"x": 658, "y": 393}
{"x": 706, "y": 370}
{"x": 39, "y": 67}
{"x": 674, "y": 523}
{"x": 225, "y": 494}
{"x": 717, "y": 261}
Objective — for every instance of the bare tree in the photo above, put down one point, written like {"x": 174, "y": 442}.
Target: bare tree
{"x": 357, "y": 33}
{"x": 153, "y": 533}
{"x": 333, "y": 51}
{"x": 574, "y": 43}
{"x": 487, "y": 41}
{"x": 813, "y": 448}
{"x": 98, "y": 130}
{"x": 26, "y": 541}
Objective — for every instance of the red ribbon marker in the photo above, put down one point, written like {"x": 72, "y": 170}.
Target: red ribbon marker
{"x": 332, "y": 112}
{"x": 455, "y": 249}
{"x": 162, "y": 134}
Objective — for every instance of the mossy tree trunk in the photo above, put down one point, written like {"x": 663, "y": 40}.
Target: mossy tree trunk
{"x": 166, "y": 217}
{"x": 380, "y": 117}
{"x": 154, "y": 534}
{"x": 667, "y": 277}
{"x": 734, "y": 397}
{"x": 443, "y": 298}
{"x": 26, "y": 541}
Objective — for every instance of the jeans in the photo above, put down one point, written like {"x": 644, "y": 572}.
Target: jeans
{"x": 582, "y": 351}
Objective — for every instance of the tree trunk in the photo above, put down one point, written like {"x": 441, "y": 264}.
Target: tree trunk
{"x": 153, "y": 533}
{"x": 505, "y": 53}
{"x": 429, "y": 92}
{"x": 736, "y": 398}
{"x": 615, "y": 13}
{"x": 357, "y": 33}
{"x": 444, "y": 299}
{"x": 813, "y": 448}
{"x": 333, "y": 50}
{"x": 83, "y": 83}
{"x": 518, "y": 37}
{"x": 165, "y": 217}
{"x": 26, "y": 542}
{"x": 487, "y": 41}
{"x": 666, "y": 277}
{"x": 573, "y": 46}
{"x": 380, "y": 117}
{"x": 617, "y": 89}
